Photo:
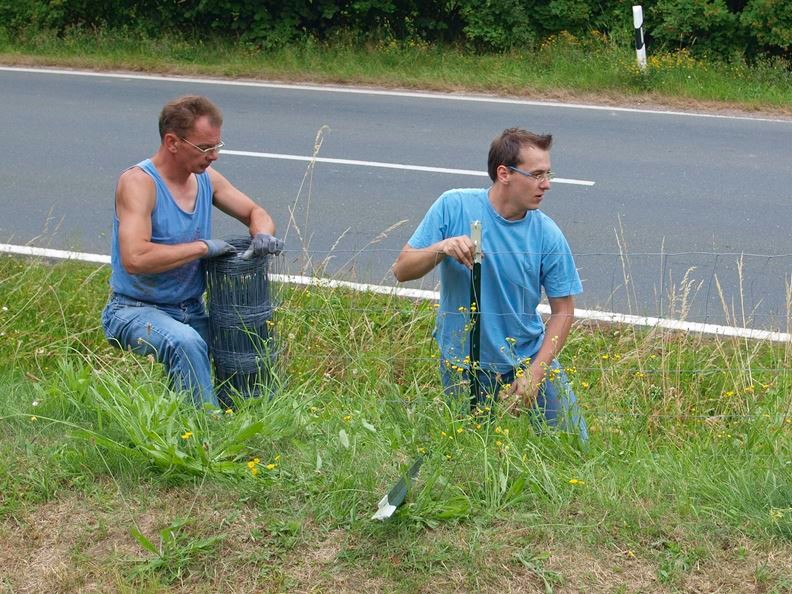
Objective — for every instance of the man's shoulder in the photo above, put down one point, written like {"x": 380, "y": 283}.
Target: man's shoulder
{"x": 135, "y": 183}
{"x": 548, "y": 223}
{"x": 461, "y": 199}
{"x": 463, "y": 194}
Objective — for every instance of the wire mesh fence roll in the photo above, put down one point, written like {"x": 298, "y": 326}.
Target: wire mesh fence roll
{"x": 242, "y": 326}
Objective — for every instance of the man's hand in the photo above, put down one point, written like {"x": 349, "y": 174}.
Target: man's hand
{"x": 218, "y": 247}
{"x": 523, "y": 390}
{"x": 261, "y": 244}
{"x": 460, "y": 248}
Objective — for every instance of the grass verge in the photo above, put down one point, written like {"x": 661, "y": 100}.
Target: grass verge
{"x": 109, "y": 481}
{"x": 563, "y": 67}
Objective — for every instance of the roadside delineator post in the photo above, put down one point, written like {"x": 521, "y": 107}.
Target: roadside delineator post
{"x": 640, "y": 46}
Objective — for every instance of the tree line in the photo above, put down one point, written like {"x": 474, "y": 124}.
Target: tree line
{"x": 727, "y": 29}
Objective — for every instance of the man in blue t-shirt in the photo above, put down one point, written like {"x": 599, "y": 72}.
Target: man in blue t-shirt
{"x": 524, "y": 252}
{"x": 161, "y": 231}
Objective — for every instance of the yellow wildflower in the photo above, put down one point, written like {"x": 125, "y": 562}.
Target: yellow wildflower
{"x": 187, "y": 435}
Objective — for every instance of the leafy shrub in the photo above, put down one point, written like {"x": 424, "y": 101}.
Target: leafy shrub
{"x": 725, "y": 28}
{"x": 704, "y": 26}
{"x": 769, "y": 23}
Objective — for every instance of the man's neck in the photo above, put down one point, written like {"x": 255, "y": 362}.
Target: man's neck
{"x": 169, "y": 170}
{"x": 500, "y": 200}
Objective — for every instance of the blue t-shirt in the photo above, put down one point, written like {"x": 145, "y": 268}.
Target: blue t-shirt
{"x": 520, "y": 258}
{"x": 169, "y": 225}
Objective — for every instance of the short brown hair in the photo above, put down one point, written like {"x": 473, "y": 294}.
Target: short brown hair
{"x": 505, "y": 149}
{"x": 179, "y": 115}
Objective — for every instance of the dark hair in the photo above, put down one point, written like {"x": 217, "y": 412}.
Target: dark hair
{"x": 179, "y": 115}
{"x": 505, "y": 149}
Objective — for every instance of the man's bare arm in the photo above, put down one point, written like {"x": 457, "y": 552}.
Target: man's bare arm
{"x": 414, "y": 263}
{"x": 562, "y": 314}
{"x": 135, "y": 200}
{"x": 237, "y": 204}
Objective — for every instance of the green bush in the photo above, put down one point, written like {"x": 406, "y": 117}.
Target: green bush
{"x": 769, "y": 22}
{"x": 703, "y": 26}
{"x": 725, "y": 28}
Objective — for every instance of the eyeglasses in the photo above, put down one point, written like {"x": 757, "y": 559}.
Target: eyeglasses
{"x": 538, "y": 176}
{"x": 216, "y": 148}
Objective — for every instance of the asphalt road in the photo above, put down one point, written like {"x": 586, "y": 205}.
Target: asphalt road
{"x": 678, "y": 200}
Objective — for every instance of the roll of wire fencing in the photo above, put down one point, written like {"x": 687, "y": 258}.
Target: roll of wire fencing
{"x": 242, "y": 305}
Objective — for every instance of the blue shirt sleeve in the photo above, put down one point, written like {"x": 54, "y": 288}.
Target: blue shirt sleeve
{"x": 433, "y": 227}
{"x": 559, "y": 276}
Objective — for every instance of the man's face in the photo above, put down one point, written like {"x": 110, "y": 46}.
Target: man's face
{"x": 199, "y": 147}
{"x": 526, "y": 190}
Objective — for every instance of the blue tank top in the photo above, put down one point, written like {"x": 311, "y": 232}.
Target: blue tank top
{"x": 169, "y": 225}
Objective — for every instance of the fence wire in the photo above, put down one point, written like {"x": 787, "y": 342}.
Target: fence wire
{"x": 333, "y": 322}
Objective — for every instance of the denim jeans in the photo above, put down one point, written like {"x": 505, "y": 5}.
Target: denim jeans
{"x": 555, "y": 406}
{"x": 177, "y": 335}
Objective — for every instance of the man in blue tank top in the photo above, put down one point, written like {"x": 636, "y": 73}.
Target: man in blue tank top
{"x": 162, "y": 231}
{"x": 524, "y": 252}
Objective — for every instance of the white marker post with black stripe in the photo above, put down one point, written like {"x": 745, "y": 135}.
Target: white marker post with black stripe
{"x": 640, "y": 47}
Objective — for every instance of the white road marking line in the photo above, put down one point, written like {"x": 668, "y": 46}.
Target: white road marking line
{"x": 560, "y": 180}
{"x": 583, "y": 314}
{"x": 383, "y": 92}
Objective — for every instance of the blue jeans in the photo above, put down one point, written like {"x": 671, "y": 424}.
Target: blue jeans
{"x": 177, "y": 335}
{"x": 555, "y": 406}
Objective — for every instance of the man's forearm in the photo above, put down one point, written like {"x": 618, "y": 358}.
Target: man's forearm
{"x": 152, "y": 258}
{"x": 414, "y": 263}
{"x": 260, "y": 222}
{"x": 556, "y": 333}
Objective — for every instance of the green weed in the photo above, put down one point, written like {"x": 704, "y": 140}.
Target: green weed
{"x": 674, "y": 457}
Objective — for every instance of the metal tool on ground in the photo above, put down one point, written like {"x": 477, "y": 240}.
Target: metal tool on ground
{"x": 396, "y": 496}
{"x": 475, "y": 317}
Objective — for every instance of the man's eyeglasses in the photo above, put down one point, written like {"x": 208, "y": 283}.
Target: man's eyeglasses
{"x": 216, "y": 148}
{"x": 538, "y": 176}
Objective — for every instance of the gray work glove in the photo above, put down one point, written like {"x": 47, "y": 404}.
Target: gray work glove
{"x": 218, "y": 247}
{"x": 263, "y": 243}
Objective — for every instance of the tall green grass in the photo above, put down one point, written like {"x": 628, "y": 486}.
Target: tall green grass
{"x": 690, "y": 450}
{"x": 562, "y": 67}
